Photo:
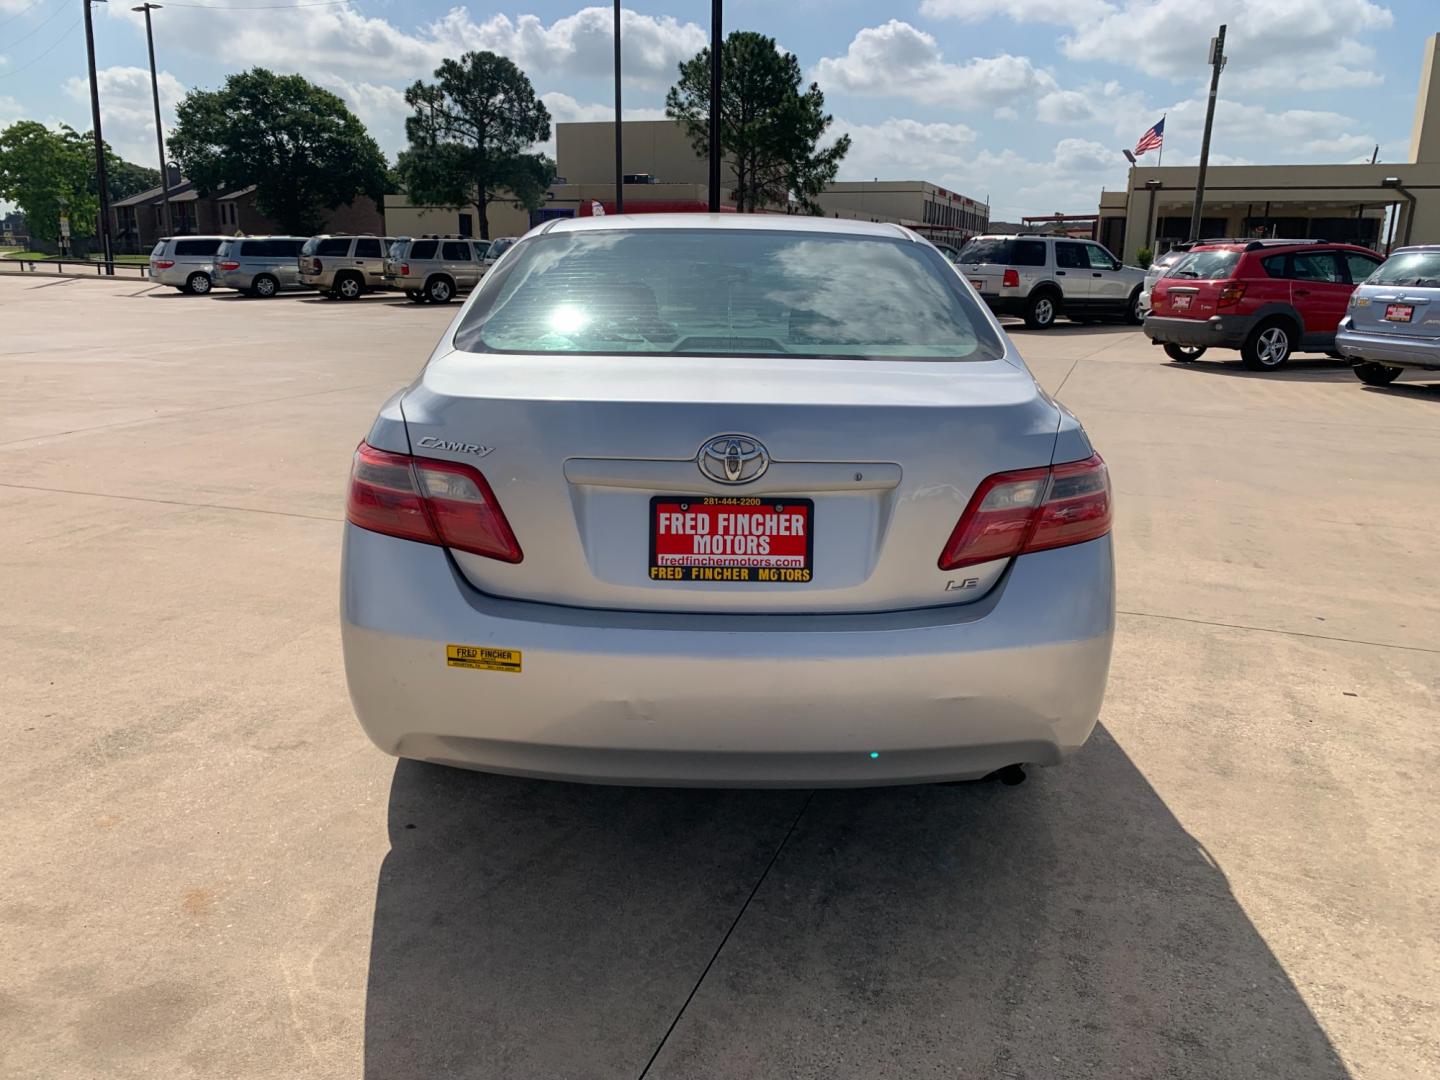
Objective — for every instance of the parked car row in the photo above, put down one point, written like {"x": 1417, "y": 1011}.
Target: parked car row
{"x": 426, "y": 269}
{"x": 1269, "y": 298}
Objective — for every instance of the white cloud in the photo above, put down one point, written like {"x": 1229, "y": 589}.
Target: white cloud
{"x": 897, "y": 60}
{"x": 1083, "y": 156}
{"x": 921, "y": 151}
{"x": 10, "y": 110}
{"x": 381, "y": 109}
{"x": 342, "y": 42}
{"x": 1279, "y": 44}
{"x": 128, "y": 111}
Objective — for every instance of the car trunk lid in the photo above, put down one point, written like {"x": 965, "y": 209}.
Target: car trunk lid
{"x": 596, "y": 463}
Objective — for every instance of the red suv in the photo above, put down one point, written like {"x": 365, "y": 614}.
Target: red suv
{"x": 1263, "y": 297}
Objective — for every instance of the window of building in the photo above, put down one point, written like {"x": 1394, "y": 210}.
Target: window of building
{"x": 467, "y": 221}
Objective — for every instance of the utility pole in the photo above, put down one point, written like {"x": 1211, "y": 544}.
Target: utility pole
{"x": 159, "y": 132}
{"x": 102, "y": 183}
{"x": 1217, "y": 64}
{"x": 619, "y": 169}
{"x": 716, "y": 29}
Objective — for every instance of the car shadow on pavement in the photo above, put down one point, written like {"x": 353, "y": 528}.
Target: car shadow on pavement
{"x": 1298, "y": 369}
{"x": 1063, "y": 326}
{"x": 1068, "y": 928}
{"x": 1421, "y": 391}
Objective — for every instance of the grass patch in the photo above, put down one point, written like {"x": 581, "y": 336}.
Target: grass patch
{"x": 40, "y": 256}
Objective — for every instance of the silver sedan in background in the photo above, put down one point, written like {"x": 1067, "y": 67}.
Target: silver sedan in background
{"x": 727, "y": 500}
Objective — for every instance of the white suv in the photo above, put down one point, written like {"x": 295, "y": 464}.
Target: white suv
{"x": 1041, "y": 278}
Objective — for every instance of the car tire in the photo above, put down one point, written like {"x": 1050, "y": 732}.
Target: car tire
{"x": 1373, "y": 374}
{"x": 1269, "y": 345}
{"x": 349, "y": 287}
{"x": 1183, "y": 354}
{"x": 197, "y": 284}
{"x": 439, "y": 290}
{"x": 264, "y": 286}
{"x": 1133, "y": 315}
{"x": 1041, "y": 310}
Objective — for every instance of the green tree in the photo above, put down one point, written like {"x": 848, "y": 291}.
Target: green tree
{"x": 300, "y": 146}
{"x": 125, "y": 178}
{"x": 471, "y": 137}
{"x": 42, "y": 171}
{"x": 770, "y": 129}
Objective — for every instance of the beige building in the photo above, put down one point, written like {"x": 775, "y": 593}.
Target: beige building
{"x": 1380, "y": 206}
{"x": 668, "y": 175}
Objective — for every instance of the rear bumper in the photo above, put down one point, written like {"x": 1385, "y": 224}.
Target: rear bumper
{"x": 176, "y": 276}
{"x": 641, "y": 698}
{"x": 1004, "y": 305}
{"x": 1218, "y": 331}
{"x": 1391, "y": 350}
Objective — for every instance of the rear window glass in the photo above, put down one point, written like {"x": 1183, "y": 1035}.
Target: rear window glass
{"x": 1004, "y": 252}
{"x": 159, "y": 248}
{"x": 1207, "y": 265}
{"x": 1417, "y": 268}
{"x": 459, "y": 250}
{"x": 425, "y": 249}
{"x": 505, "y": 243}
{"x": 740, "y": 293}
{"x": 482, "y": 247}
{"x": 227, "y": 247}
{"x": 335, "y": 245}
{"x": 196, "y": 247}
{"x": 370, "y": 248}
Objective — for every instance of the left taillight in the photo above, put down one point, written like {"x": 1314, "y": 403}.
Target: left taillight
{"x": 430, "y": 501}
{"x": 166, "y": 264}
{"x": 1012, "y": 513}
{"x": 232, "y": 265}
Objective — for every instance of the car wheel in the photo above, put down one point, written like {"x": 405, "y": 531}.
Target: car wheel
{"x": 264, "y": 286}
{"x": 1183, "y": 354}
{"x": 1133, "y": 313}
{"x": 1372, "y": 374}
{"x": 1041, "y": 311}
{"x": 438, "y": 290}
{"x": 1268, "y": 347}
{"x": 197, "y": 284}
{"x": 349, "y": 287}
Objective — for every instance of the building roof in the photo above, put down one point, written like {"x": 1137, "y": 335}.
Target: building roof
{"x": 182, "y": 192}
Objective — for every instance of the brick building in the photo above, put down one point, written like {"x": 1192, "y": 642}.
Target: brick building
{"x": 137, "y": 222}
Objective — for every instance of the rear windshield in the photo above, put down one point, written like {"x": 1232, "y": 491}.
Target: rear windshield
{"x": 159, "y": 248}
{"x": 1170, "y": 258}
{"x": 743, "y": 293}
{"x": 1005, "y": 252}
{"x": 227, "y": 246}
{"x": 196, "y": 247}
{"x": 505, "y": 243}
{"x": 1208, "y": 265}
{"x": 1419, "y": 268}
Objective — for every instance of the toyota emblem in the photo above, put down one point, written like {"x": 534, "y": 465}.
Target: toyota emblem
{"x": 733, "y": 459}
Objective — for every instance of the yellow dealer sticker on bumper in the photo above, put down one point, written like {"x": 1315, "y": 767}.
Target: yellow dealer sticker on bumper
{"x": 479, "y": 658}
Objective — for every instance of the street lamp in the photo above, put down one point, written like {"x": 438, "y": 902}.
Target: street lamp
{"x": 159, "y": 134}
{"x": 1129, "y": 157}
{"x": 101, "y": 181}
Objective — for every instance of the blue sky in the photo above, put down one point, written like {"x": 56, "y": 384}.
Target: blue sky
{"x": 1028, "y": 102}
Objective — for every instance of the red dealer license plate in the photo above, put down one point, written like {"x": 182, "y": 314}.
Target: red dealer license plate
{"x": 725, "y": 538}
{"x": 1393, "y": 312}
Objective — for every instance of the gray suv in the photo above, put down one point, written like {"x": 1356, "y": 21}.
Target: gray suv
{"x": 1041, "y": 278}
{"x": 434, "y": 269}
{"x": 344, "y": 266}
{"x": 185, "y": 262}
{"x": 259, "y": 265}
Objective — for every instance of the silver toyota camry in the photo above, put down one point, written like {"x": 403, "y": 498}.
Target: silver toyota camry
{"x": 739, "y": 500}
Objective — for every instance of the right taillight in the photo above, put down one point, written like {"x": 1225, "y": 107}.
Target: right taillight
{"x": 430, "y": 501}
{"x": 1010, "y": 279}
{"x": 317, "y": 265}
{"x": 233, "y": 265}
{"x": 166, "y": 264}
{"x": 1012, "y": 513}
{"x": 1230, "y": 294}
{"x": 405, "y": 267}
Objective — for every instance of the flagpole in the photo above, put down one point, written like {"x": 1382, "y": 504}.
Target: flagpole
{"x": 1161, "y": 159}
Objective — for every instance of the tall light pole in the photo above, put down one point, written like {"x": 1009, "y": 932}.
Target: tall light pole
{"x": 101, "y": 181}
{"x": 1217, "y": 64}
{"x": 159, "y": 132}
{"x": 619, "y": 169}
{"x": 716, "y": 29}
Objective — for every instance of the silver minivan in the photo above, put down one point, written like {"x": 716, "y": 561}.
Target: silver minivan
{"x": 185, "y": 262}
{"x": 259, "y": 265}
{"x": 435, "y": 269}
{"x": 344, "y": 267}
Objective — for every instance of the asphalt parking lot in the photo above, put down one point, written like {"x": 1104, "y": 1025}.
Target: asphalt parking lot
{"x": 207, "y": 871}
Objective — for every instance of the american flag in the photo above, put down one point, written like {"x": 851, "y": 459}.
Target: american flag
{"x": 1153, "y": 139}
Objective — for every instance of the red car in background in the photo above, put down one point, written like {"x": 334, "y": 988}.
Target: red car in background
{"x": 1266, "y": 298}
